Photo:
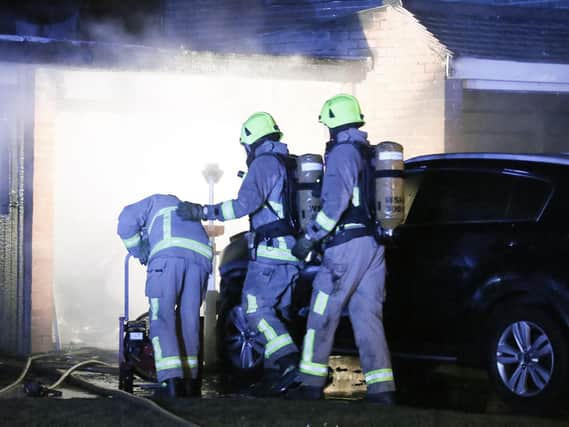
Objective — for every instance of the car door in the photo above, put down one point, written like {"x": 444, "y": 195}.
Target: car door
{"x": 461, "y": 228}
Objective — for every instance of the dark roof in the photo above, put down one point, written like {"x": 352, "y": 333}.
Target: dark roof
{"x": 497, "y": 32}
{"x": 501, "y": 32}
{"x": 240, "y": 26}
{"x": 340, "y": 38}
{"x": 121, "y": 56}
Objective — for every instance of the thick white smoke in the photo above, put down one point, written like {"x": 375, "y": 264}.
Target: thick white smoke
{"x": 120, "y": 136}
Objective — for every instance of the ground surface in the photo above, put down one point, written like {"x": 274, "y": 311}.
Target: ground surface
{"x": 243, "y": 412}
{"x": 440, "y": 397}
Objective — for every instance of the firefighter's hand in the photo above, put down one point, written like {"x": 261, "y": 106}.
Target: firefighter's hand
{"x": 189, "y": 211}
{"x": 144, "y": 251}
{"x": 302, "y": 247}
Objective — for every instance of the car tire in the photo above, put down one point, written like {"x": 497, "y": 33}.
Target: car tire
{"x": 528, "y": 358}
{"x": 241, "y": 351}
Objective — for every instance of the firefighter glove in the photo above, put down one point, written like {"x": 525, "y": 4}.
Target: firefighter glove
{"x": 144, "y": 251}
{"x": 302, "y": 247}
{"x": 189, "y": 211}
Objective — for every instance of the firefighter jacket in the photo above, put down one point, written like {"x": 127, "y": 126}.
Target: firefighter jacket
{"x": 261, "y": 196}
{"x": 340, "y": 186}
{"x": 152, "y": 223}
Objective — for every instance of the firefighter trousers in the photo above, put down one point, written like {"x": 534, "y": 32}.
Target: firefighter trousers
{"x": 175, "y": 288}
{"x": 268, "y": 288}
{"x": 353, "y": 275}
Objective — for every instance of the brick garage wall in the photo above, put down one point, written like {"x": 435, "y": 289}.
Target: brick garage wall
{"x": 403, "y": 95}
{"x": 404, "y": 90}
{"x": 42, "y": 228}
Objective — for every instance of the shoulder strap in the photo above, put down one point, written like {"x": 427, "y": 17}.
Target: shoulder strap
{"x": 365, "y": 180}
{"x": 289, "y": 165}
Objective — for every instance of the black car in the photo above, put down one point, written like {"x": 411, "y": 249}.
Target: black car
{"x": 478, "y": 274}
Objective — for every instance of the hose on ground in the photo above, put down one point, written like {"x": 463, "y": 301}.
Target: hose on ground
{"x": 24, "y": 372}
{"x": 137, "y": 400}
{"x": 29, "y": 364}
{"x": 74, "y": 368}
{"x": 96, "y": 389}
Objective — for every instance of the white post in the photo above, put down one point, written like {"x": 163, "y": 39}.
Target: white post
{"x": 211, "y": 286}
{"x": 212, "y": 174}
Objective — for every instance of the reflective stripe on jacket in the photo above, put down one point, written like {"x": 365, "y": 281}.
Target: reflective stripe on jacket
{"x": 261, "y": 196}
{"x": 339, "y": 184}
{"x": 155, "y": 218}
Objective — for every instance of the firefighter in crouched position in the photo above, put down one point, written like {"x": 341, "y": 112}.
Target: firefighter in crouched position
{"x": 179, "y": 256}
{"x": 352, "y": 273}
{"x": 272, "y": 269}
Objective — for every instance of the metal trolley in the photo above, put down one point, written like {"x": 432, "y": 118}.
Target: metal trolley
{"x": 136, "y": 356}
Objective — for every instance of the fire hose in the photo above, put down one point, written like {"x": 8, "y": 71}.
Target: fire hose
{"x": 102, "y": 391}
{"x": 24, "y": 372}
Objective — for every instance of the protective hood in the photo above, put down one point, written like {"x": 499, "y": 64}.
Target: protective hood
{"x": 350, "y": 135}
{"x": 266, "y": 146}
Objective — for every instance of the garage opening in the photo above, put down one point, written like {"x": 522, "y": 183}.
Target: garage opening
{"x": 113, "y": 138}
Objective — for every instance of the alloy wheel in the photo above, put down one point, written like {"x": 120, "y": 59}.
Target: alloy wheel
{"x": 242, "y": 344}
{"x": 525, "y": 358}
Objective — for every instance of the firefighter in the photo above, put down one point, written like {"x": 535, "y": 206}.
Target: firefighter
{"x": 272, "y": 269}
{"x": 179, "y": 257}
{"x": 352, "y": 273}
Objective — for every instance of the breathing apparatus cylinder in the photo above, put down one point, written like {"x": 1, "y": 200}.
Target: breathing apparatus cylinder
{"x": 309, "y": 181}
{"x": 389, "y": 197}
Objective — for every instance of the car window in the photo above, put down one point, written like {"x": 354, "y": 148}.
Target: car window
{"x": 450, "y": 196}
{"x": 411, "y": 184}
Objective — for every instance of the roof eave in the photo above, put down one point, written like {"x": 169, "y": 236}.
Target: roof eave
{"x": 492, "y": 74}
{"x": 129, "y": 57}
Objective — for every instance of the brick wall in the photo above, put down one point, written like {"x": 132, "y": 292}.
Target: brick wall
{"x": 42, "y": 228}
{"x": 404, "y": 92}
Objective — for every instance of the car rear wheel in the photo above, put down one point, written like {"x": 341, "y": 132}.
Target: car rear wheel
{"x": 529, "y": 357}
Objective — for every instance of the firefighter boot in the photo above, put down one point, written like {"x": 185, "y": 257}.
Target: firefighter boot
{"x": 171, "y": 388}
{"x": 276, "y": 381}
{"x": 192, "y": 388}
{"x": 265, "y": 387}
{"x": 288, "y": 372}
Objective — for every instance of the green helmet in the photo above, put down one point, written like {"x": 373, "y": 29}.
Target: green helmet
{"x": 341, "y": 110}
{"x": 257, "y": 126}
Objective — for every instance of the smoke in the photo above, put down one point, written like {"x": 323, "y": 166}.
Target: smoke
{"x": 119, "y": 136}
